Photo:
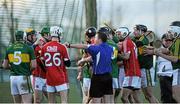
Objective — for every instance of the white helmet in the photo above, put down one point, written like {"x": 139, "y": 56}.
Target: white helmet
{"x": 174, "y": 30}
{"x": 123, "y": 32}
{"x": 56, "y": 31}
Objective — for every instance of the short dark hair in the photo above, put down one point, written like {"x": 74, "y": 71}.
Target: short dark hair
{"x": 102, "y": 36}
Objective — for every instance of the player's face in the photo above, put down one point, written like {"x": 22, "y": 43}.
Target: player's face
{"x": 87, "y": 39}
{"x": 136, "y": 32}
{"x": 119, "y": 34}
{"x": 97, "y": 40}
{"x": 167, "y": 42}
{"x": 47, "y": 36}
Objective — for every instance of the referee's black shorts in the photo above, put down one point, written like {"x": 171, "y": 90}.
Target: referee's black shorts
{"x": 101, "y": 85}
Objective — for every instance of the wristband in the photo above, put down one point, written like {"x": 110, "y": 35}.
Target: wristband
{"x": 69, "y": 46}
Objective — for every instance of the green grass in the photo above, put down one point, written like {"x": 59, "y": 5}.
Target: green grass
{"x": 74, "y": 94}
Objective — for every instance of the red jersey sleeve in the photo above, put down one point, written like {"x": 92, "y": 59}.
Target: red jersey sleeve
{"x": 127, "y": 46}
{"x": 65, "y": 54}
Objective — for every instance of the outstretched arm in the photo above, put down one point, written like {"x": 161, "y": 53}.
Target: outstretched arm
{"x": 168, "y": 57}
{"x": 78, "y": 46}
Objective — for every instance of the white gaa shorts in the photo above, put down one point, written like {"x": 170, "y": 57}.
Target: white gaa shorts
{"x": 86, "y": 83}
{"x": 115, "y": 83}
{"x": 132, "y": 81}
{"x": 121, "y": 77}
{"x": 147, "y": 77}
{"x": 176, "y": 77}
{"x": 20, "y": 85}
{"x": 39, "y": 83}
{"x": 58, "y": 88}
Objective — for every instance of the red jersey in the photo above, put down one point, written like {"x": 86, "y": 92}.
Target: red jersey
{"x": 54, "y": 55}
{"x": 131, "y": 65}
{"x": 39, "y": 71}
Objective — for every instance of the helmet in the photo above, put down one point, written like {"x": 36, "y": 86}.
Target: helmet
{"x": 45, "y": 30}
{"x": 175, "y": 23}
{"x": 104, "y": 30}
{"x": 141, "y": 27}
{"x": 30, "y": 31}
{"x": 56, "y": 31}
{"x": 123, "y": 32}
{"x": 174, "y": 28}
{"x": 19, "y": 35}
{"x": 90, "y": 32}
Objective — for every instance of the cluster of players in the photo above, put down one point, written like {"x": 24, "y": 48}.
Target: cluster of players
{"x": 111, "y": 63}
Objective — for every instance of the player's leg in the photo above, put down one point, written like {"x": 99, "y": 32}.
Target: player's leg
{"x": 126, "y": 92}
{"x": 64, "y": 96}
{"x": 107, "y": 81}
{"x": 176, "y": 85}
{"x": 176, "y": 92}
{"x": 101, "y": 85}
{"x": 115, "y": 85}
{"x": 25, "y": 89}
{"x": 147, "y": 84}
{"x": 166, "y": 89}
{"x": 51, "y": 94}
{"x": 134, "y": 98}
{"x": 17, "y": 99}
{"x": 86, "y": 86}
{"x": 63, "y": 92}
{"x": 51, "y": 97}
{"x": 39, "y": 89}
{"x": 27, "y": 98}
{"x": 14, "y": 89}
{"x": 148, "y": 93}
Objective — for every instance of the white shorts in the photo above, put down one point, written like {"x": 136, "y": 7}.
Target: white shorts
{"x": 147, "y": 77}
{"x": 86, "y": 83}
{"x": 20, "y": 85}
{"x": 121, "y": 76}
{"x": 39, "y": 83}
{"x": 58, "y": 88}
{"x": 115, "y": 83}
{"x": 176, "y": 77}
{"x": 132, "y": 81}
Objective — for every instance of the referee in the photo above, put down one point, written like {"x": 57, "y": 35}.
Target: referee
{"x": 101, "y": 81}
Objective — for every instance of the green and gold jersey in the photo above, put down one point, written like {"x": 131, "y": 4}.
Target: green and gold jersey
{"x": 144, "y": 61}
{"x": 115, "y": 69}
{"x": 19, "y": 56}
{"x": 175, "y": 51}
{"x": 86, "y": 68}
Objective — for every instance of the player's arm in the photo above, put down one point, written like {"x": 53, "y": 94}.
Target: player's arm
{"x": 33, "y": 64}
{"x": 171, "y": 58}
{"x": 124, "y": 56}
{"x": 83, "y": 60}
{"x": 33, "y": 58}
{"x": 67, "y": 61}
{"x": 78, "y": 46}
{"x": 5, "y": 64}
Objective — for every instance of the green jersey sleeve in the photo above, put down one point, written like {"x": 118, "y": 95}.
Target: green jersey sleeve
{"x": 31, "y": 53}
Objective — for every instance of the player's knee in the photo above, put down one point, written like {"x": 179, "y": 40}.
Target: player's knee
{"x": 124, "y": 98}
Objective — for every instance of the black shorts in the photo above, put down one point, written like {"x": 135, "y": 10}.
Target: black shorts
{"x": 101, "y": 85}
{"x": 131, "y": 88}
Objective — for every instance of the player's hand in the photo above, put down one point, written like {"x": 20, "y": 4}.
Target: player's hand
{"x": 158, "y": 52}
{"x": 80, "y": 62}
{"x": 67, "y": 44}
{"x": 148, "y": 51}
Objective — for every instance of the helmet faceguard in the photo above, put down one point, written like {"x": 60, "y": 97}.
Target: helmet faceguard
{"x": 139, "y": 30}
{"x": 31, "y": 35}
{"x": 19, "y": 35}
{"x": 45, "y": 33}
{"x": 122, "y": 33}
